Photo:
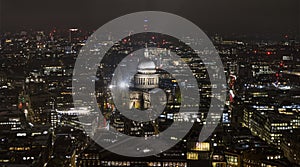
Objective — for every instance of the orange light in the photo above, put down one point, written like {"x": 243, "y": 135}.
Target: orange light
{"x": 20, "y": 106}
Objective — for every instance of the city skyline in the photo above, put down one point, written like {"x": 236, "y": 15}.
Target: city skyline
{"x": 262, "y": 85}
{"x": 150, "y": 88}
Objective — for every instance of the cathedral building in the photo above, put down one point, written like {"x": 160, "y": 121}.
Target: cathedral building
{"x": 145, "y": 80}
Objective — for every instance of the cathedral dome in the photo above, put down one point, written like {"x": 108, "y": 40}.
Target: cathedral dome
{"x": 147, "y": 67}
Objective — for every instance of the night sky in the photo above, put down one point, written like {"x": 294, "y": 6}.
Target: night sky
{"x": 217, "y": 16}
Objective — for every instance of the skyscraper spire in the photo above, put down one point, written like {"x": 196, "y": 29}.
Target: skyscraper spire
{"x": 146, "y": 52}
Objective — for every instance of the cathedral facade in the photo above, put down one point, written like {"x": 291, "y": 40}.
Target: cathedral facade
{"x": 145, "y": 80}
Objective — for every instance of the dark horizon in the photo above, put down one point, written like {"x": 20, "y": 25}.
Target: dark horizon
{"x": 250, "y": 17}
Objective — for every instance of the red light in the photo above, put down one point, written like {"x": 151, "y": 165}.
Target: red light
{"x": 20, "y": 106}
{"x": 277, "y": 75}
{"x": 153, "y": 37}
{"x": 230, "y": 98}
{"x": 268, "y": 53}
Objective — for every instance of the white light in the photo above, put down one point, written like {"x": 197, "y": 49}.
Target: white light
{"x": 232, "y": 94}
{"x": 123, "y": 85}
{"x": 73, "y": 29}
{"x": 146, "y": 150}
{"x": 21, "y": 134}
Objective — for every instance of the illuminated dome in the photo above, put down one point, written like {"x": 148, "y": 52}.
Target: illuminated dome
{"x": 146, "y": 67}
{"x": 146, "y": 78}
